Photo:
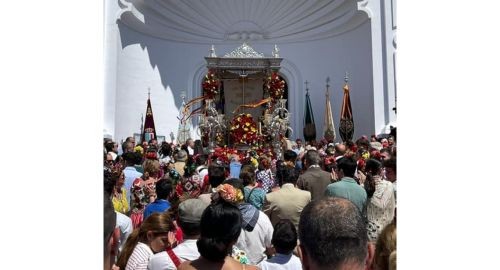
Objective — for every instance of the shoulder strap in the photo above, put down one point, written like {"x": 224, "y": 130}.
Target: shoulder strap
{"x": 173, "y": 257}
{"x": 250, "y": 194}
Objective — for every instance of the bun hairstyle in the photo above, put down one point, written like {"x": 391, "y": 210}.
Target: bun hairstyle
{"x": 220, "y": 227}
{"x": 372, "y": 168}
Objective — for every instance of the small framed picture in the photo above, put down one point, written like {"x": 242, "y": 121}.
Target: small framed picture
{"x": 137, "y": 137}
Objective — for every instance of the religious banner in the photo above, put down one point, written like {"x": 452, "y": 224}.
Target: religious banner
{"x": 149, "y": 131}
{"x": 346, "y": 127}
{"x": 328, "y": 126}
{"x": 309, "y": 125}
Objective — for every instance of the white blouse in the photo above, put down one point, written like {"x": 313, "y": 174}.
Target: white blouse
{"x": 380, "y": 209}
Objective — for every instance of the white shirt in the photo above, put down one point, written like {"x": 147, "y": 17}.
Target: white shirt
{"x": 254, "y": 243}
{"x": 190, "y": 151}
{"x": 282, "y": 262}
{"x": 187, "y": 250}
{"x": 124, "y": 223}
{"x": 202, "y": 172}
{"x": 161, "y": 261}
{"x": 113, "y": 154}
{"x": 139, "y": 258}
{"x": 165, "y": 159}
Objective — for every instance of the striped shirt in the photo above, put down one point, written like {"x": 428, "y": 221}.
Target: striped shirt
{"x": 139, "y": 258}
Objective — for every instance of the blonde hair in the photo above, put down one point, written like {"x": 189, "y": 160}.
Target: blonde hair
{"x": 392, "y": 261}
{"x": 151, "y": 168}
{"x": 385, "y": 250}
{"x": 156, "y": 222}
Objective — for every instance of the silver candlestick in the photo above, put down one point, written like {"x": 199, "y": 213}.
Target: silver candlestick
{"x": 211, "y": 122}
{"x": 278, "y": 123}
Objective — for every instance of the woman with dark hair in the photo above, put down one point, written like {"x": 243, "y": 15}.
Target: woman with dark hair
{"x": 198, "y": 148}
{"x": 220, "y": 227}
{"x": 253, "y": 195}
{"x": 280, "y": 168}
{"x": 153, "y": 236}
{"x": 165, "y": 152}
{"x": 381, "y": 201}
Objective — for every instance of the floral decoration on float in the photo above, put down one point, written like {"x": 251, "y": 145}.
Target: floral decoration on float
{"x": 223, "y": 155}
{"x": 275, "y": 87}
{"x": 219, "y": 138}
{"x": 210, "y": 85}
{"x": 244, "y": 129}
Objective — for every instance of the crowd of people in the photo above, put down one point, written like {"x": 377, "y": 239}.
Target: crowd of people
{"x": 324, "y": 205}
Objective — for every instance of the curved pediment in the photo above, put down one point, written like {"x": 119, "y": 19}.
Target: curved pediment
{"x": 207, "y": 22}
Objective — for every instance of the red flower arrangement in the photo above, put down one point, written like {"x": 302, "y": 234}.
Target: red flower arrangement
{"x": 244, "y": 129}
{"x": 210, "y": 85}
{"x": 221, "y": 154}
{"x": 219, "y": 138}
{"x": 275, "y": 86}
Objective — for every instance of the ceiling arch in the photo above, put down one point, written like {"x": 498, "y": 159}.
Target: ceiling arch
{"x": 220, "y": 21}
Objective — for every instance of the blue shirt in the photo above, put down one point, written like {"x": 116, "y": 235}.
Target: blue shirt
{"x": 349, "y": 189}
{"x": 159, "y": 205}
{"x": 255, "y": 196}
{"x": 234, "y": 169}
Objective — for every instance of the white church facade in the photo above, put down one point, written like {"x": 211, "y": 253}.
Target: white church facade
{"x": 161, "y": 46}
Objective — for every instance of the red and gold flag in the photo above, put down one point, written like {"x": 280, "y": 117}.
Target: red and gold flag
{"x": 346, "y": 127}
{"x": 149, "y": 131}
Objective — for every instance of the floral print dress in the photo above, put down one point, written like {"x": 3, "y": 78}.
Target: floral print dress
{"x": 265, "y": 180}
{"x": 139, "y": 200}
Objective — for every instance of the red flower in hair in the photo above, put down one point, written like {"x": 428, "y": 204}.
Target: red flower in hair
{"x": 354, "y": 148}
{"x": 376, "y": 155}
{"x": 329, "y": 160}
{"x": 361, "y": 163}
{"x": 151, "y": 155}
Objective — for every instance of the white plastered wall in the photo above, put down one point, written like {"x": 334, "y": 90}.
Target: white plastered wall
{"x": 135, "y": 61}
